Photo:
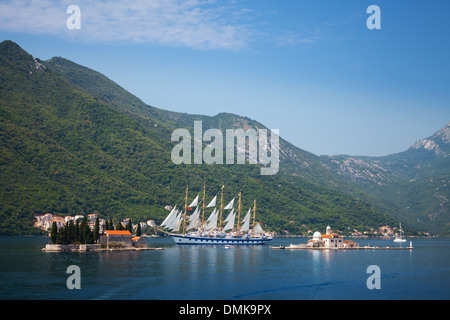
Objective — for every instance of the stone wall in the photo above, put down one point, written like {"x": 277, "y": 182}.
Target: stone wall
{"x": 118, "y": 238}
{"x": 72, "y": 247}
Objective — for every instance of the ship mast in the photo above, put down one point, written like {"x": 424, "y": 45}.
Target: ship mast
{"x": 185, "y": 208}
{"x": 221, "y": 208}
{"x": 204, "y": 198}
{"x": 239, "y": 212}
{"x": 254, "y": 217}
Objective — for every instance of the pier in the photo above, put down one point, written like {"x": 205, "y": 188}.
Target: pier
{"x": 306, "y": 247}
{"x": 91, "y": 247}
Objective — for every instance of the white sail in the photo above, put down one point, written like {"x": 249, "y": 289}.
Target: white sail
{"x": 258, "y": 229}
{"x": 178, "y": 224}
{"x": 194, "y": 220}
{"x": 212, "y": 221}
{"x": 212, "y": 204}
{"x": 230, "y": 215}
{"x": 230, "y": 205}
{"x": 195, "y": 215}
{"x": 230, "y": 224}
{"x": 195, "y": 223}
{"x": 172, "y": 223}
{"x": 194, "y": 203}
{"x": 169, "y": 216}
{"x": 246, "y": 221}
{"x": 212, "y": 215}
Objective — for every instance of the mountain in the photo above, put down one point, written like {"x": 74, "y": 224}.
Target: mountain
{"x": 73, "y": 142}
{"x": 413, "y": 185}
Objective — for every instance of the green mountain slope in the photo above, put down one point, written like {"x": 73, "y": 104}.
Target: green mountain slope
{"x": 413, "y": 185}
{"x": 73, "y": 142}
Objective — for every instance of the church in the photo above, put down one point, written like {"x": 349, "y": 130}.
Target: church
{"x": 328, "y": 240}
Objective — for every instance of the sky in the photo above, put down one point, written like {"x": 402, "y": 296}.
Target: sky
{"x": 312, "y": 69}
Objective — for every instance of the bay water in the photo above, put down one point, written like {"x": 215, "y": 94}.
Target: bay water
{"x": 218, "y": 273}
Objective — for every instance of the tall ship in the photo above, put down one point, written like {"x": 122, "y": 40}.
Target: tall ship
{"x": 198, "y": 230}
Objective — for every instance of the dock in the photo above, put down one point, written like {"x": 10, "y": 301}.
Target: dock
{"x": 91, "y": 247}
{"x": 305, "y": 247}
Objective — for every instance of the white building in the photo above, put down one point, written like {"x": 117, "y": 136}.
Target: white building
{"x": 328, "y": 240}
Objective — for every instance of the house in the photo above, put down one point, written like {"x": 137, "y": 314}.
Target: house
{"x": 350, "y": 244}
{"x": 332, "y": 240}
{"x": 92, "y": 217}
{"x": 117, "y": 238}
{"x": 151, "y": 223}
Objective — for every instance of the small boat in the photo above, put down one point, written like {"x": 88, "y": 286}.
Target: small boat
{"x": 401, "y": 235}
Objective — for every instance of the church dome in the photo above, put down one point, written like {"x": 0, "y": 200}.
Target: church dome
{"x": 317, "y": 236}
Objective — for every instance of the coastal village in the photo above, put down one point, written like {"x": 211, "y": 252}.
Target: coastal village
{"x": 45, "y": 221}
{"x": 127, "y": 240}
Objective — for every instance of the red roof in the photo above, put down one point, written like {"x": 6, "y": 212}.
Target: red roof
{"x": 119, "y": 232}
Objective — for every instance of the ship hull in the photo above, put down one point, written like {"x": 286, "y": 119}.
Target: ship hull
{"x": 198, "y": 240}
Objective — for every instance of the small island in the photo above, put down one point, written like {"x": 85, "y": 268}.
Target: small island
{"x": 78, "y": 236}
{"x": 332, "y": 241}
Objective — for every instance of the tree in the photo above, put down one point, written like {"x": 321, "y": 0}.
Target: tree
{"x": 76, "y": 232}
{"x": 54, "y": 232}
{"x": 62, "y": 235}
{"x": 130, "y": 226}
{"x": 119, "y": 226}
{"x": 96, "y": 233}
{"x": 138, "y": 231}
{"x": 85, "y": 233}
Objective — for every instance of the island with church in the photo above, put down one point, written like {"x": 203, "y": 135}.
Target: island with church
{"x": 332, "y": 241}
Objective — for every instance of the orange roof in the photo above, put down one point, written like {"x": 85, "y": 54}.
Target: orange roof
{"x": 119, "y": 232}
{"x": 333, "y": 235}
{"x": 135, "y": 238}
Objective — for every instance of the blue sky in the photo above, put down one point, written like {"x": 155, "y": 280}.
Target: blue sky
{"x": 311, "y": 69}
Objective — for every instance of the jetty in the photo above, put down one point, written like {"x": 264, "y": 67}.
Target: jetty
{"x": 91, "y": 247}
{"x": 367, "y": 247}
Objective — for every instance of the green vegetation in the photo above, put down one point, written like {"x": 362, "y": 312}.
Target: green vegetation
{"x": 73, "y": 142}
{"x": 74, "y": 233}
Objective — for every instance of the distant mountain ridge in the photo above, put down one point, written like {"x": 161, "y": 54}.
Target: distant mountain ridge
{"x": 439, "y": 143}
{"x": 414, "y": 184}
{"x": 73, "y": 141}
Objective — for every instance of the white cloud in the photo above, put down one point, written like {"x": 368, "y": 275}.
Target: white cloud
{"x": 198, "y": 24}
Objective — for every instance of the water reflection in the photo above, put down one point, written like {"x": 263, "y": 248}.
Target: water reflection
{"x": 213, "y": 272}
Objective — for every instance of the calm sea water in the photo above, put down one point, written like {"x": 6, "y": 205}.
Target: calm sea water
{"x": 216, "y": 273}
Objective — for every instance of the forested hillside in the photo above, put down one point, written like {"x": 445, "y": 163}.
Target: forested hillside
{"x": 71, "y": 147}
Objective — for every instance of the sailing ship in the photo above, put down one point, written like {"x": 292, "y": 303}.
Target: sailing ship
{"x": 195, "y": 230}
{"x": 401, "y": 235}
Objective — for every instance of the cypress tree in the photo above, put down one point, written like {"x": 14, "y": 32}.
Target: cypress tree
{"x": 71, "y": 232}
{"x": 62, "y": 235}
{"x": 83, "y": 231}
{"x": 130, "y": 226}
{"x": 76, "y": 232}
{"x": 54, "y": 232}
{"x": 138, "y": 231}
{"x": 96, "y": 232}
